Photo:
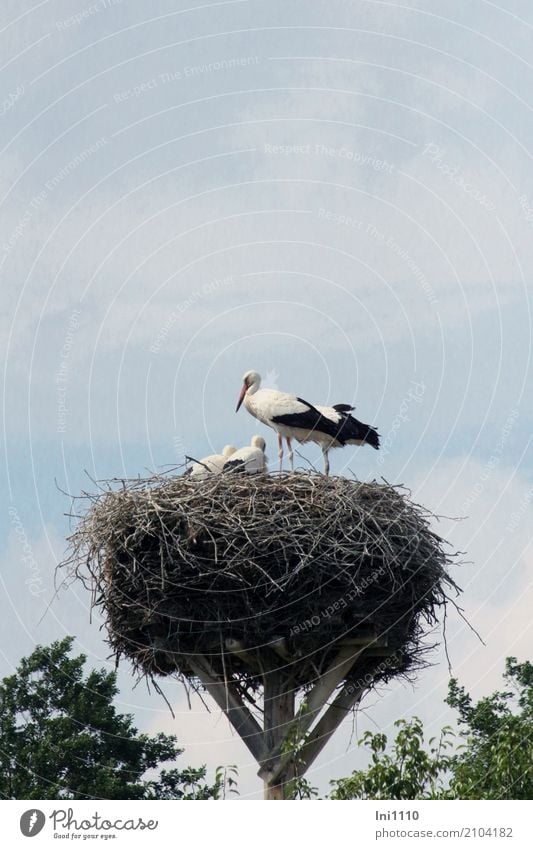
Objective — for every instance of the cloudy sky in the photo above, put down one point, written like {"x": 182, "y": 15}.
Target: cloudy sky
{"x": 337, "y": 194}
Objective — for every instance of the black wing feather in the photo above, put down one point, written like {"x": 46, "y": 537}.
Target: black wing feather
{"x": 234, "y": 466}
{"x": 346, "y": 429}
{"x": 310, "y": 420}
{"x": 352, "y": 429}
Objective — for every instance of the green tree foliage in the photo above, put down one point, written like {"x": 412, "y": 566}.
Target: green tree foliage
{"x": 410, "y": 771}
{"x": 491, "y": 756}
{"x": 61, "y": 738}
{"x": 496, "y": 759}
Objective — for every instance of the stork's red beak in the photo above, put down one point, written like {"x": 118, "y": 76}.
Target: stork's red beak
{"x": 244, "y": 390}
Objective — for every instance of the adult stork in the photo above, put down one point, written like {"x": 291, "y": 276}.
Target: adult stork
{"x": 250, "y": 459}
{"x": 293, "y": 418}
{"x": 211, "y": 465}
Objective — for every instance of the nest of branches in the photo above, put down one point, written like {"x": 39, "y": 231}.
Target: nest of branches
{"x": 260, "y": 572}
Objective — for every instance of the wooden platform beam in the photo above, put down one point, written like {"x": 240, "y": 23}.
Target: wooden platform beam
{"x": 231, "y": 704}
{"x": 348, "y": 697}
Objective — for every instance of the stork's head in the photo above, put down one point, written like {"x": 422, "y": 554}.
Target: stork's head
{"x": 250, "y": 381}
{"x": 259, "y": 442}
{"x": 228, "y": 450}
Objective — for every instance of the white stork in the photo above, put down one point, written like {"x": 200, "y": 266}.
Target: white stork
{"x": 211, "y": 465}
{"x": 250, "y": 459}
{"x": 293, "y": 418}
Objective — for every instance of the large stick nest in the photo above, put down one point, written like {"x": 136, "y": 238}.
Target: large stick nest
{"x": 262, "y": 572}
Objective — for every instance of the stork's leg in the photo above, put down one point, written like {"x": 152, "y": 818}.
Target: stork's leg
{"x": 326, "y": 461}
{"x": 280, "y": 451}
{"x": 291, "y": 454}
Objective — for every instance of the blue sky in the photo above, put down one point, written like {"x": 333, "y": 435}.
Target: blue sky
{"x": 339, "y": 195}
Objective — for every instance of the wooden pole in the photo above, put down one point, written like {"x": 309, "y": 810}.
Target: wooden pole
{"x": 316, "y": 700}
{"x": 278, "y": 715}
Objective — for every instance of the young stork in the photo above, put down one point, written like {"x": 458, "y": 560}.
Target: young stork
{"x": 211, "y": 465}
{"x": 250, "y": 459}
{"x": 293, "y": 418}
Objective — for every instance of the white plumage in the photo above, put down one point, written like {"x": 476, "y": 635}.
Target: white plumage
{"x": 211, "y": 465}
{"x": 250, "y": 459}
{"x": 293, "y": 418}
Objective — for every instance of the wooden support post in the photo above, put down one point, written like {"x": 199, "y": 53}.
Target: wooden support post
{"x": 276, "y": 761}
{"x": 278, "y": 713}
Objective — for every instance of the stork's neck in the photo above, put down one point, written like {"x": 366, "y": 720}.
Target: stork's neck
{"x": 254, "y": 387}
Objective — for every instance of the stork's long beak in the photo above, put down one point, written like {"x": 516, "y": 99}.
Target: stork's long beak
{"x": 241, "y": 397}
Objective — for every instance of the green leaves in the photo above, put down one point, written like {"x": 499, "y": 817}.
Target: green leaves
{"x": 496, "y": 760}
{"x": 491, "y": 757}
{"x": 410, "y": 771}
{"x": 62, "y": 738}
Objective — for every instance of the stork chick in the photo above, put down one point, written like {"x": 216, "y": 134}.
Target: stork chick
{"x": 250, "y": 459}
{"x": 211, "y": 465}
